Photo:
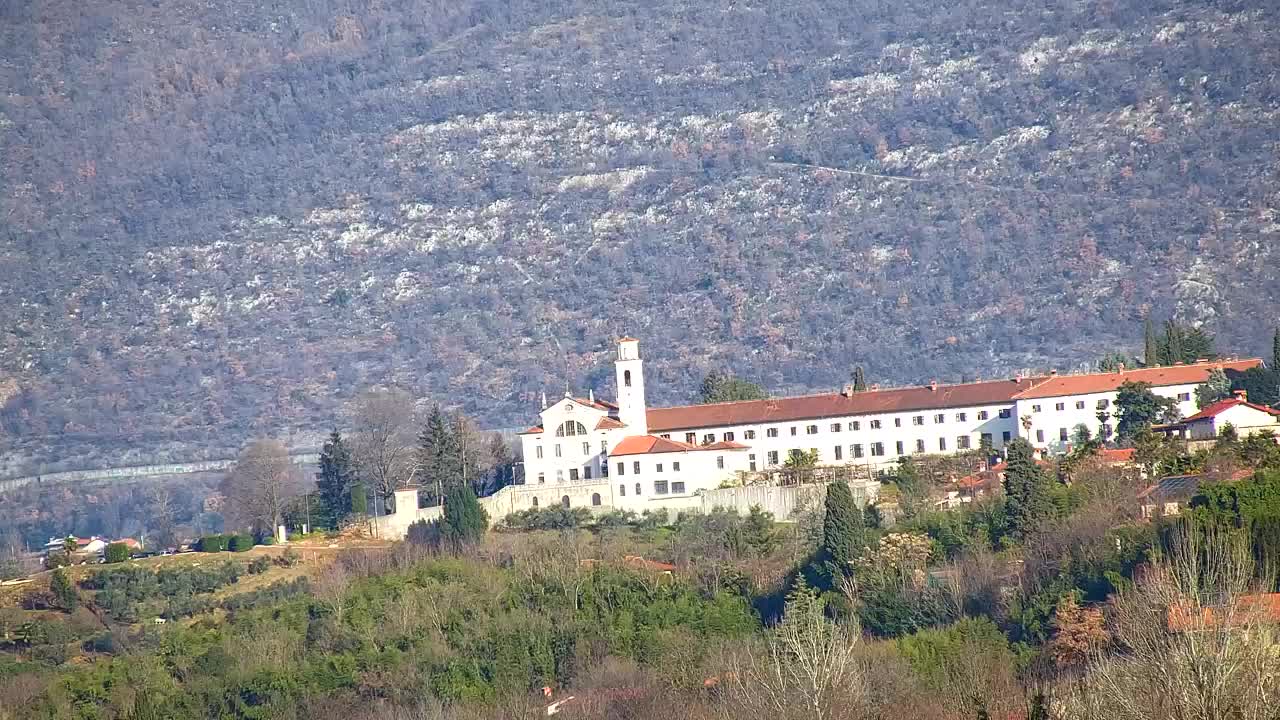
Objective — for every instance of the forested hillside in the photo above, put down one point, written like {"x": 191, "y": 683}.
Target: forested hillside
{"x": 225, "y": 218}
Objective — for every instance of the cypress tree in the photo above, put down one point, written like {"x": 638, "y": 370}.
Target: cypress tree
{"x": 860, "y": 379}
{"x": 1275, "y": 352}
{"x": 336, "y": 477}
{"x": 1150, "y": 348}
{"x": 1174, "y": 349}
{"x": 1026, "y": 490}
{"x": 64, "y": 592}
{"x": 844, "y": 530}
{"x": 463, "y": 521}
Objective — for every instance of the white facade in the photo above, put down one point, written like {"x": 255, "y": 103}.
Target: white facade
{"x": 633, "y": 457}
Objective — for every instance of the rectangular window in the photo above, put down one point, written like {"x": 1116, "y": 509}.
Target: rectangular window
{"x": 677, "y": 488}
{"x": 1184, "y": 397}
{"x": 751, "y": 462}
{"x": 586, "y": 448}
{"x": 728, "y": 437}
{"x": 586, "y": 472}
{"x": 855, "y": 425}
{"x": 665, "y": 436}
{"x": 773, "y": 457}
{"x": 573, "y": 474}
{"x": 635, "y": 467}
{"x": 622, "y": 490}
{"x": 604, "y": 447}
{"x": 537, "y": 452}
{"x": 1103, "y": 404}
{"x": 856, "y": 450}
{"x": 749, "y": 434}
{"x": 917, "y": 419}
{"x": 1035, "y": 408}
{"x": 542, "y": 478}
{"x": 986, "y": 439}
{"x": 659, "y": 487}
{"x": 983, "y": 415}
{"x": 657, "y": 467}
{"x": 835, "y": 427}
{"x": 557, "y": 449}
{"x": 675, "y": 467}
{"x": 839, "y": 452}
{"x": 1062, "y": 434}
{"x": 691, "y": 438}
{"x": 961, "y": 417}
{"x": 1106, "y": 430}
{"x": 708, "y": 438}
{"x": 875, "y": 424}
{"x": 811, "y": 430}
{"x": 1060, "y": 407}
{"x": 604, "y": 469}
{"x": 942, "y": 444}
{"x": 719, "y": 462}
{"x": 919, "y": 445}
{"x": 1039, "y": 436}
{"x": 559, "y": 476}
{"x": 899, "y": 448}
{"x": 897, "y": 422}
{"x": 771, "y": 432}
{"x": 1005, "y": 437}
{"x": 962, "y": 442}
{"x": 793, "y": 430}
{"x": 622, "y": 469}
{"x": 637, "y": 489}
{"x": 939, "y": 419}
{"x": 1006, "y": 413}
{"x": 1079, "y": 404}
{"x": 877, "y": 449}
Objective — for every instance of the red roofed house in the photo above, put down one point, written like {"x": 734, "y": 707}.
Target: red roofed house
{"x": 1246, "y": 417}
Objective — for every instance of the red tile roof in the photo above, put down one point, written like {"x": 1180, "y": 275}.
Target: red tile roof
{"x": 1059, "y": 385}
{"x": 640, "y": 444}
{"x": 809, "y": 407}
{"x": 608, "y": 423}
{"x": 1219, "y": 407}
{"x": 724, "y": 445}
{"x": 1117, "y": 455}
{"x": 531, "y": 431}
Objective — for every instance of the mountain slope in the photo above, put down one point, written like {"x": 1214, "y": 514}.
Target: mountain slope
{"x": 223, "y": 219}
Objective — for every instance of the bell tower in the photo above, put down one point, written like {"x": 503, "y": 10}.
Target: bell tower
{"x": 630, "y": 374}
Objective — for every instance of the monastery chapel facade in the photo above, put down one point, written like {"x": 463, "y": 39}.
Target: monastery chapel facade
{"x": 625, "y": 455}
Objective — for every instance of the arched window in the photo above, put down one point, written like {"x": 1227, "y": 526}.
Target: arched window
{"x": 570, "y": 428}
{"x": 564, "y": 502}
{"x": 595, "y": 499}
{"x": 535, "y": 502}
{"x": 626, "y": 378}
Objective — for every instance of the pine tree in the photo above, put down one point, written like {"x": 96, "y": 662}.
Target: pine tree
{"x": 1026, "y": 490}
{"x": 1150, "y": 348}
{"x": 860, "y": 379}
{"x": 439, "y": 458}
{"x": 844, "y": 530}
{"x": 1197, "y": 344}
{"x": 463, "y": 522}
{"x": 336, "y": 478}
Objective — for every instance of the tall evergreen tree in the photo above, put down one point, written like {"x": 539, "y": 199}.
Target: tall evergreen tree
{"x": 1197, "y": 344}
{"x": 439, "y": 457}
{"x": 1026, "y": 489}
{"x": 463, "y": 522}
{"x": 1172, "y": 346}
{"x": 859, "y": 380}
{"x": 1150, "y": 347}
{"x": 336, "y": 477}
{"x": 1275, "y": 351}
{"x": 844, "y": 530}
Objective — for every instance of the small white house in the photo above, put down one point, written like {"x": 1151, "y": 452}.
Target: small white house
{"x": 1245, "y": 417}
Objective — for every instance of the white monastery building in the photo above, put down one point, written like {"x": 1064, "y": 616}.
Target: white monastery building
{"x": 594, "y": 453}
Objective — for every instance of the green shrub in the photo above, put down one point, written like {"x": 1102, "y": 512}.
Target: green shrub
{"x": 240, "y": 543}
{"x": 117, "y": 552}
{"x": 259, "y": 565}
{"x": 57, "y": 560}
{"x": 212, "y": 543}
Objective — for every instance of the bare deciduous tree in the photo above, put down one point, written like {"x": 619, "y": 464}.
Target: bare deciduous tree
{"x": 1194, "y": 641}
{"x": 260, "y": 484}
{"x": 383, "y": 439}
